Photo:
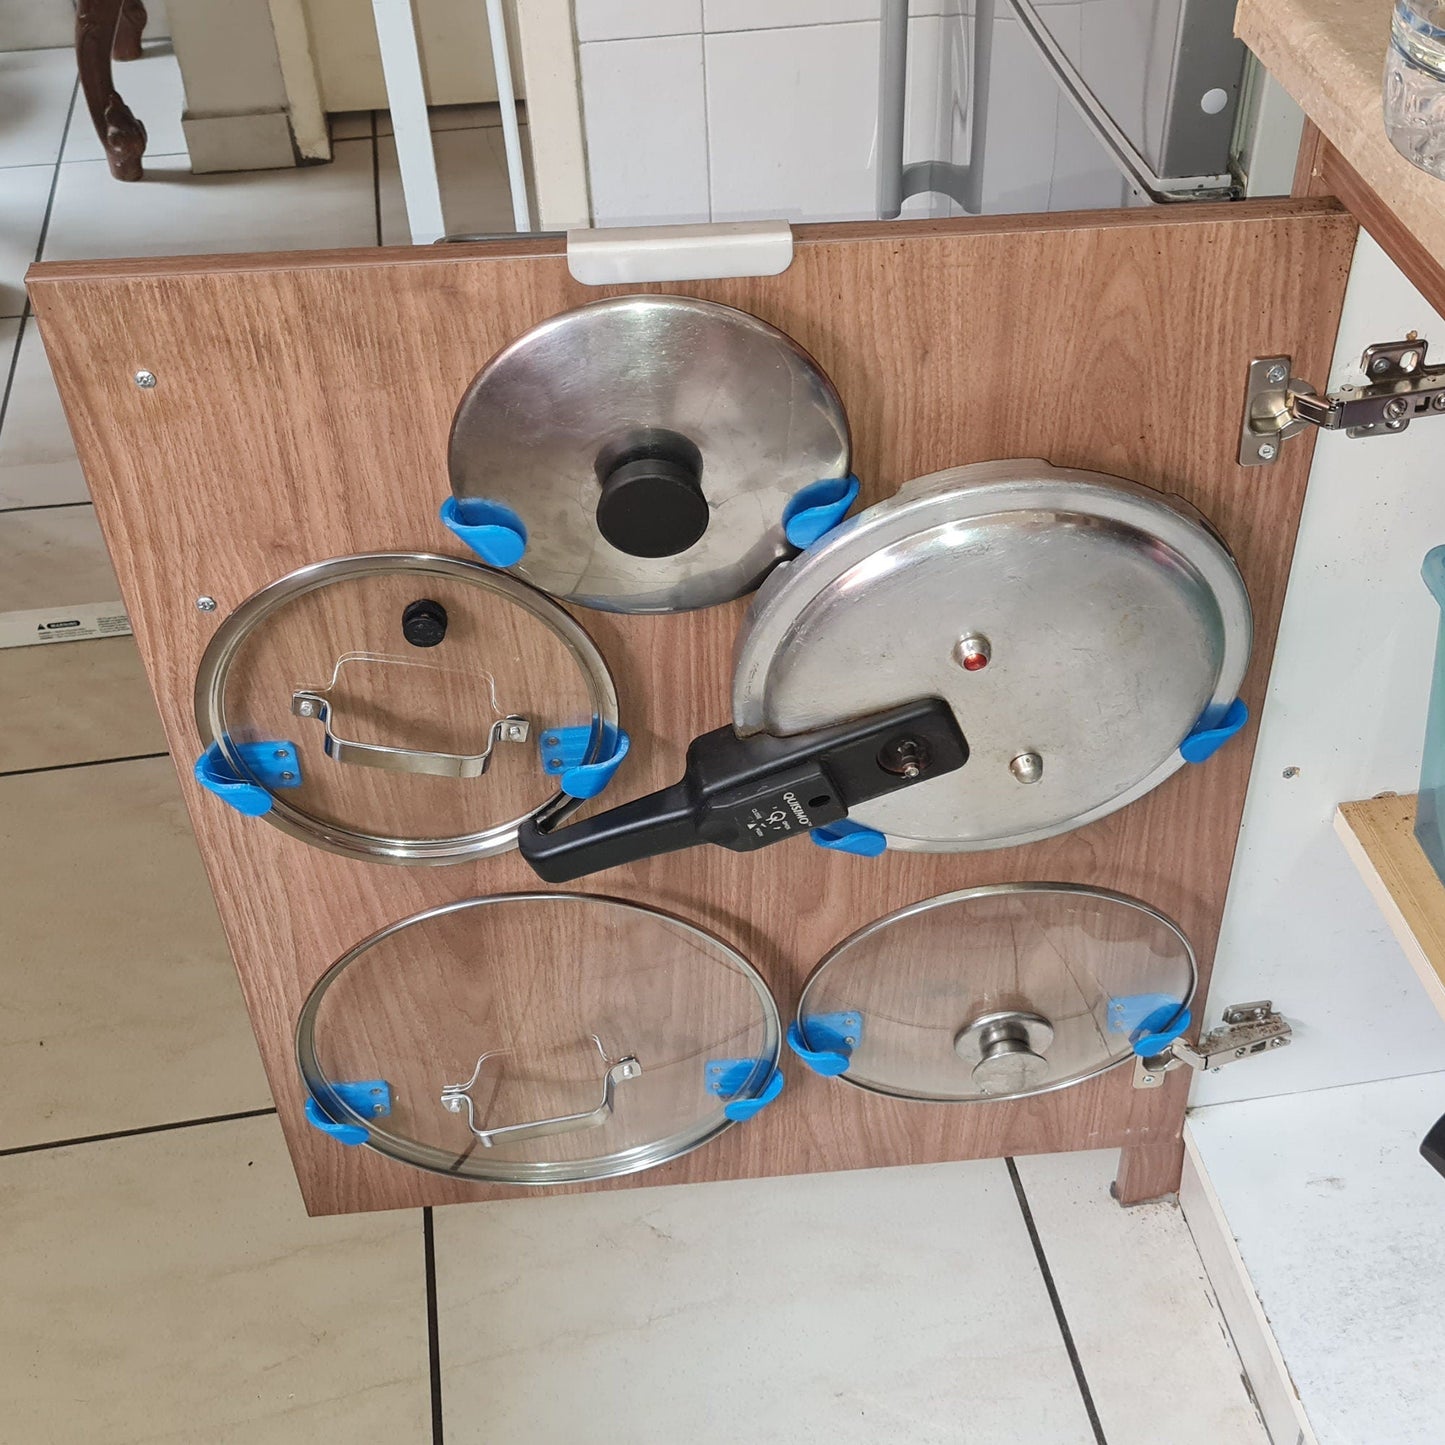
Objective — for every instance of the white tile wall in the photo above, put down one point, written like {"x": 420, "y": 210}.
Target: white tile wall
{"x": 792, "y": 121}
{"x": 1084, "y": 177}
{"x": 773, "y": 14}
{"x": 776, "y": 14}
{"x": 629, "y": 19}
{"x": 1023, "y": 120}
{"x": 647, "y": 147}
{"x": 790, "y": 125}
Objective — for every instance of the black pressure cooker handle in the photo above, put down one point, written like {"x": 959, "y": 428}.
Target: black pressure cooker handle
{"x": 1433, "y": 1145}
{"x": 744, "y": 793}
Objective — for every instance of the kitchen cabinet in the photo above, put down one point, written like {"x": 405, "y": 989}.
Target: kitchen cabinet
{"x": 297, "y": 410}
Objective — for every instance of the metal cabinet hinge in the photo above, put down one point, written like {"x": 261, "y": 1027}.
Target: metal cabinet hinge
{"x": 1248, "y": 1029}
{"x": 1399, "y": 388}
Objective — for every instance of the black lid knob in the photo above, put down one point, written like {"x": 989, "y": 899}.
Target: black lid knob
{"x": 424, "y": 622}
{"x": 652, "y": 502}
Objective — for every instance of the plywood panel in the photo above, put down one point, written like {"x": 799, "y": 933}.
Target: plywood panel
{"x": 1379, "y": 836}
{"x": 302, "y": 412}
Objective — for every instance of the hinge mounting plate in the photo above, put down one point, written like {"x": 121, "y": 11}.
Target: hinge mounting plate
{"x": 1248, "y": 1029}
{"x": 1400, "y": 388}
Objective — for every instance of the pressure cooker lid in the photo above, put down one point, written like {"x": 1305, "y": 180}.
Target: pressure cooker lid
{"x": 649, "y": 446}
{"x": 1080, "y": 626}
{"x": 996, "y": 992}
{"x": 413, "y": 702}
{"x": 539, "y": 1038}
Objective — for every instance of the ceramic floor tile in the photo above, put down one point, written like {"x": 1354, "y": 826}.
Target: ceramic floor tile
{"x": 835, "y": 1308}
{"x": 75, "y": 702}
{"x": 35, "y": 91}
{"x": 24, "y": 191}
{"x": 350, "y": 125}
{"x": 36, "y": 24}
{"x": 53, "y": 557}
{"x": 1150, "y": 1336}
{"x": 38, "y": 465}
{"x": 169, "y": 1288}
{"x": 172, "y": 212}
{"x": 152, "y": 87}
{"x": 472, "y": 173}
{"x": 355, "y": 123}
{"x": 9, "y": 340}
{"x": 122, "y": 1009}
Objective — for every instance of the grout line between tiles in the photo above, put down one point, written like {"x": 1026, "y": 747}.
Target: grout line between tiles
{"x": 134, "y": 1133}
{"x": 10, "y": 379}
{"x": 36, "y": 506}
{"x": 434, "y": 1354}
{"x": 89, "y": 763}
{"x": 1043, "y": 1263}
{"x": 55, "y": 181}
{"x": 706, "y": 125}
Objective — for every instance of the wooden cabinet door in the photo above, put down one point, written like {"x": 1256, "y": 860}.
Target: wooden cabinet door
{"x": 301, "y": 412}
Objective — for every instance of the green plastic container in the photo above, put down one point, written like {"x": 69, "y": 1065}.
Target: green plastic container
{"x": 1430, "y": 817}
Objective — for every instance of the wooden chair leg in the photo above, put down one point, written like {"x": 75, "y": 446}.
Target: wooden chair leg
{"x": 132, "y": 24}
{"x": 96, "y": 25}
{"x": 1148, "y": 1171}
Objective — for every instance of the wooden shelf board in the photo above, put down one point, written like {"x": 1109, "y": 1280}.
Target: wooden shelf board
{"x": 1379, "y": 835}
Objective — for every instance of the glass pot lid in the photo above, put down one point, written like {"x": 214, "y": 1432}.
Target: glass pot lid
{"x": 996, "y": 992}
{"x": 1079, "y": 625}
{"x": 540, "y": 1038}
{"x": 649, "y": 446}
{"x": 417, "y": 692}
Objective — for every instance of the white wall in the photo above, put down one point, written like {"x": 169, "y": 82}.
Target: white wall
{"x": 1346, "y": 706}
{"x": 726, "y": 110}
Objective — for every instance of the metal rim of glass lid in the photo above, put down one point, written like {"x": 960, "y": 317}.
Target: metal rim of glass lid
{"x": 997, "y": 992}
{"x": 1081, "y": 626}
{"x": 647, "y": 1028}
{"x": 451, "y": 707}
{"x": 649, "y": 444}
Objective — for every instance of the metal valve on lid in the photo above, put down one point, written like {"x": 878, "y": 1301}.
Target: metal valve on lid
{"x": 1009, "y": 1046}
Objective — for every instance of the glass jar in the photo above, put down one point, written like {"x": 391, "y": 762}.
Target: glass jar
{"x": 1414, "y": 99}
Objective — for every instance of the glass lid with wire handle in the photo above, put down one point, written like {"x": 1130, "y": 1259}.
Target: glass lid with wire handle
{"x": 539, "y": 1039}
{"x": 994, "y": 992}
{"x": 402, "y": 706}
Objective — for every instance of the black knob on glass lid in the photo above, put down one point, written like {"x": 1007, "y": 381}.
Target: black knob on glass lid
{"x": 424, "y": 622}
{"x": 652, "y": 502}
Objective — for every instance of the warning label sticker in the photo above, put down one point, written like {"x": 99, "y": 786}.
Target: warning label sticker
{"x": 63, "y": 624}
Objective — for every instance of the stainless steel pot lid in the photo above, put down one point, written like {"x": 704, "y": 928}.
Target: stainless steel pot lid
{"x": 995, "y": 992}
{"x": 539, "y": 1038}
{"x": 994, "y": 655}
{"x": 416, "y": 695}
{"x": 649, "y": 446}
{"x": 1079, "y": 625}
